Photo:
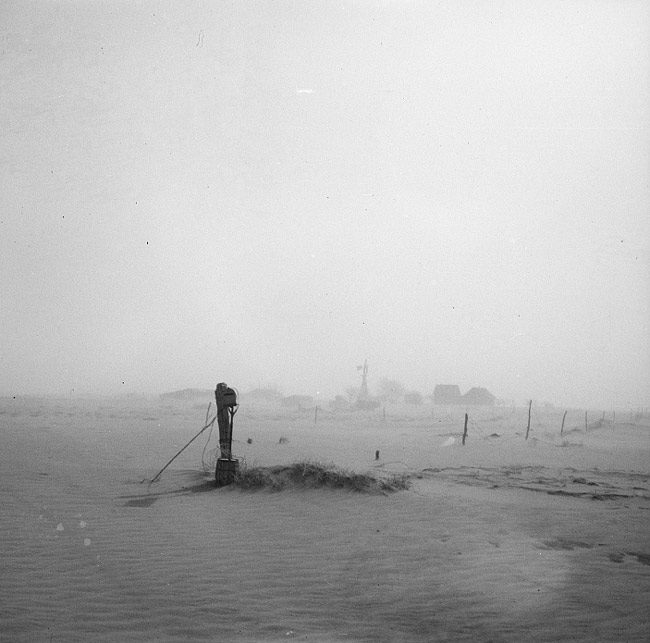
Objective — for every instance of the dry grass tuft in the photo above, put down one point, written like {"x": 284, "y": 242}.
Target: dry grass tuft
{"x": 314, "y": 475}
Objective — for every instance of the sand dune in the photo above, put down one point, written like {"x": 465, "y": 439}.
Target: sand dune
{"x": 503, "y": 539}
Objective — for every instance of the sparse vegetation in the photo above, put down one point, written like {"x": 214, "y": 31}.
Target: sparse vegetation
{"x": 391, "y": 390}
{"x": 413, "y": 397}
{"x": 314, "y": 475}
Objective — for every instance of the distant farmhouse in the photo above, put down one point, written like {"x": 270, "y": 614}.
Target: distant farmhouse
{"x": 479, "y": 397}
{"x": 188, "y": 395}
{"x": 449, "y": 395}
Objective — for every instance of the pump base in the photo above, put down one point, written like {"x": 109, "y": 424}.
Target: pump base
{"x": 226, "y": 471}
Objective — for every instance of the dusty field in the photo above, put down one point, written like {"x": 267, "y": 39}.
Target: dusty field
{"x": 500, "y": 540}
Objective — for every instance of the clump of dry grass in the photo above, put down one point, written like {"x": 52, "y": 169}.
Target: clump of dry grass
{"x": 314, "y": 475}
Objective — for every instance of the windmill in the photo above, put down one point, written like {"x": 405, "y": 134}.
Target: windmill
{"x": 364, "y": 401}
{"x": 363, "y": 391}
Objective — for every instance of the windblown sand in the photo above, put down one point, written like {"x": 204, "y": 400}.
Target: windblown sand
{"x": 503, "y": 539}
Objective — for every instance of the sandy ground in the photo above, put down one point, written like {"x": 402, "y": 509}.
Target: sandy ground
{"x": 503, "y": 539}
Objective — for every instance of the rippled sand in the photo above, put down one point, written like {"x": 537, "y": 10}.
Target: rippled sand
{"x": 503, "y": 539}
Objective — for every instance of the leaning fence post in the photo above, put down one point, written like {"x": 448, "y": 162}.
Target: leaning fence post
{"x": 528, "y": 427}
{"x": 465, "y": 430}
{"x": 563, "y": 418}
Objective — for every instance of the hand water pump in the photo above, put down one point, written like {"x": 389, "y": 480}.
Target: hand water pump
{"x": 227, "y": 406}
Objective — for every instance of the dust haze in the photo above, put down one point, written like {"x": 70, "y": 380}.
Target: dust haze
{"x": 269, "y": 193}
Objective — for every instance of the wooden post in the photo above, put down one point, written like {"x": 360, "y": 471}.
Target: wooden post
{"x": 315, "y": 414}
{"x": 377, "y": 454}
{"x": 465, "y": 430}
{"x": 225, "y": 432}
{"x": 530, "y": 404}
{"x": 227, "y": 467}
{"x": 563, "y": 418}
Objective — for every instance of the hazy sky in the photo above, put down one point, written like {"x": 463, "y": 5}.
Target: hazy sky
{"x": 270, "y": 192}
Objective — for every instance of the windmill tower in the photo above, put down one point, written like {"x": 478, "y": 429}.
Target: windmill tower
{"x": 363, "y": 391}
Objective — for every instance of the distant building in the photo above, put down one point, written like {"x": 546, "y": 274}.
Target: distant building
{"x": 447, "y": 394}
{"x": 298, "y": 402}
{"x": 339, "y": 403}
{"x": 262, "y": 395}
{"x": 478, "y": 397}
